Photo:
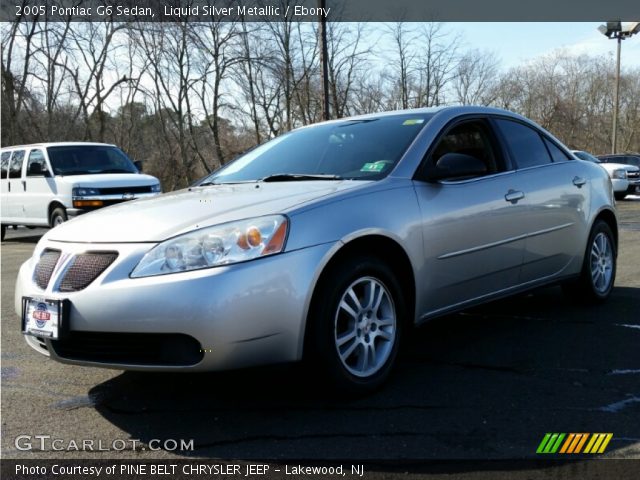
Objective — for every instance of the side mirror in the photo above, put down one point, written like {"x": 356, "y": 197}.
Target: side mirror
{"x": 138, "y": 164}
{"x": 456, "y": 165}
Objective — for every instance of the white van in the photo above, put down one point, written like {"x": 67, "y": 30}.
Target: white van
{"x": 44, "y": 184}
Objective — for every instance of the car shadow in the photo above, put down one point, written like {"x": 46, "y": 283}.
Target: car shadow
{"x": 487, "y": 383}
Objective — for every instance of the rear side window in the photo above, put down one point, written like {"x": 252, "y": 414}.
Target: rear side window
{"x": 15, "y": 165}
{"x": 525, "y": 144}
{"x": 36, "y": 156}
{"x": 557, "y": 155}
{"x": 4, "y": 165}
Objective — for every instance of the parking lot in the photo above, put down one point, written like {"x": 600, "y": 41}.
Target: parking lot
{"x": 485, "y": 383}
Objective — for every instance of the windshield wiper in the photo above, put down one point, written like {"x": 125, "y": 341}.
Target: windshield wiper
{"x": 295, "y": 177}
{"x": 211, "y": 182}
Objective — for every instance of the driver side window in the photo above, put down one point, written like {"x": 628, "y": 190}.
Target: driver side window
{"x": 468, "y": 138}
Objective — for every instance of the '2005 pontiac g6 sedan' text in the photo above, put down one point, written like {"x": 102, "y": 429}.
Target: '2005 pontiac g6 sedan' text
{"x": 326, "y": 243}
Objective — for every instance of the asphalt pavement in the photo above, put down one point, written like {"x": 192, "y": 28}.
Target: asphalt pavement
{"x": 487, "y": 383}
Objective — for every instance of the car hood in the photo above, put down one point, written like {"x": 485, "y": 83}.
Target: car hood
{"x": 610, "y": 167}
{"x": 106, "y": 180}
{"x": 158, "y": 218}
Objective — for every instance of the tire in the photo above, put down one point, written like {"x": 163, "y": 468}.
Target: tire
{"x": 352, "y": 341}
{"x": 620, "y": 195}
{"x": 598, "y": 267}
{"x": 4, "y": 230}
{"x": 58, "y": 216}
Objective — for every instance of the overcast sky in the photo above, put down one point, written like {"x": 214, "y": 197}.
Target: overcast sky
{"x": 515, "y": 43}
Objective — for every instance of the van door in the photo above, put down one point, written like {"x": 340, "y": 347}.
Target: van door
{"x": 39, "y": 188}
{"x": 4, "y": 185}
{"x": 14, "y": 188}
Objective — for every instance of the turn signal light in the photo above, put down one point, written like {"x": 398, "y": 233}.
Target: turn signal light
{"x": 88, "y": 203}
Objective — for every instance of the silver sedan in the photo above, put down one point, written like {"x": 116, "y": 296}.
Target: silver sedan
{"x": 327, "y": 243}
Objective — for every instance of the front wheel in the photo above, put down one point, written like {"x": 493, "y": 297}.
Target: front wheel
{"x": 356, "y": 324}
{"x": 598, "y": 267}
{"x": 620, "y": 195}
{"x": 58, "y": 216}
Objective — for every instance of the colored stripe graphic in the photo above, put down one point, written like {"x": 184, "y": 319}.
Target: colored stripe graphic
{"x": 550, "y": 443}
{"x": 573, "y": 443}
{"x": 543, "y": 443}
{"x": 567, "y": 443}
{"x": 606, "y": 441}
{"x": 590, "y": 444}
{"x": 581, "y": 443}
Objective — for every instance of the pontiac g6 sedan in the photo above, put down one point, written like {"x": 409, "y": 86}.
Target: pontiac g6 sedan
{"x": 327, "y": 243}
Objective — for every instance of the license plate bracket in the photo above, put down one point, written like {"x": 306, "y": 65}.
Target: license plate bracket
{"x": 44, "y": 317}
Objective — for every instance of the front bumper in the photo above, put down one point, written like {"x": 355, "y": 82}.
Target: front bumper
{"x": 620, "y": 185}
{"x": 237, "y": 316}
{"x": 634, "y": 187}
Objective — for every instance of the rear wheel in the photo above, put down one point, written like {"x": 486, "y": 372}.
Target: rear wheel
{"x": 356, "y": 324}
{"x": 599, "y": 266}
{"x": 58, "y": 216}
{"x": 4, "y": 230}
{"x": 620, "y": 195}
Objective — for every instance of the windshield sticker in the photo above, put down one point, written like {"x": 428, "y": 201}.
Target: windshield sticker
{"x": 374, "y": 167}
{"x": 413, "y": 121}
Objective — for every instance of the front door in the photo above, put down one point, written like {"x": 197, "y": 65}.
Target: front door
{"x": 473, "y": 228}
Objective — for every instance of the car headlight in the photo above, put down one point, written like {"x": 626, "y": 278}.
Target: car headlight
{"x": 620, "y": 174}
{"x": 84, "y": 192}
{"x": 156, "y": 188}
{"x": 214, "y": 246}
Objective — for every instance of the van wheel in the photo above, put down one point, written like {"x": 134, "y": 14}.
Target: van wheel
{"x": 4, "y": 230}
{"x": 58, "y": 216}
{"x": 356, "y": 325}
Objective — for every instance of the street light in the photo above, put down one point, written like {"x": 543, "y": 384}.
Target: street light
{"x": 617, "y": 31}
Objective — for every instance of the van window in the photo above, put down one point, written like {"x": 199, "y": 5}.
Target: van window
{"x": 15, "y": 166}
{"x": 36, "y": 156}
{"x": 4, "y": 165}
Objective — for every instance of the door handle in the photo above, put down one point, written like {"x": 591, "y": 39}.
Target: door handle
{"x": 579, "y": 181}
{"x": 24, "y": 185}
{"x": 513, "y": 196}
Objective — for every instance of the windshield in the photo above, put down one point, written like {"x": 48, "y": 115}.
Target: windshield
{"x": 627, "y": 160}
{"x": 586, "y": 156}
{"x": 88, "y": 159}
{"x": 364, "y": 149}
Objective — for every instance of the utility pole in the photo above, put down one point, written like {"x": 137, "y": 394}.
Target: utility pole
{"x": 616, "y": 100}
{"x": 324, "y": 60}
{"x": 616, "y": 31}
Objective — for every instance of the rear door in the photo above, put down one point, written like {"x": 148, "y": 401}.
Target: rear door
{"x": 39, "y": 188}
{"x": 558, "y": 200}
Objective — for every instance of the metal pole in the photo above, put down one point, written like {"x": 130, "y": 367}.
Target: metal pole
{"x": 324, "y": 56}
{"x": 616, "y": 99}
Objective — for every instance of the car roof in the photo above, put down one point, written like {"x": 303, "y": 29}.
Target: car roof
{"x": 448, "y": 112}
{"x": 57, "y": 144}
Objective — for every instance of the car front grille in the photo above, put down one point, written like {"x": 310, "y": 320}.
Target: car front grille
{"x": 123, "y": 190}
{"x": 44, "y": 268}
{"x": 147, "y": 349}
{"x": 84, "y": 269}
{"x": 633, "y": 175}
